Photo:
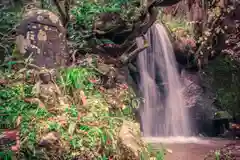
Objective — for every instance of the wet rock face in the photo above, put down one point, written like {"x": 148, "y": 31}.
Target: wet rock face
{"x": 193, "y": 90}
{"x": 200, "y": 103}
{"x": 42, "y": 36}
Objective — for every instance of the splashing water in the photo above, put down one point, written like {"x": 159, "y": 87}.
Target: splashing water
{"x": 164, "y": 113}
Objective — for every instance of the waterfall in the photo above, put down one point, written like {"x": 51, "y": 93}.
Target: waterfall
{"x": 164, "y": 113}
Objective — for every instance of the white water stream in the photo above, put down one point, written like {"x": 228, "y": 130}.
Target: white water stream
{"x": 164, "y": 113}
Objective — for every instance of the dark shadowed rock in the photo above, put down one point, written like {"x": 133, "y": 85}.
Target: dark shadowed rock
{"x": 200, "y": 102}
{"x": 42, "y": 35}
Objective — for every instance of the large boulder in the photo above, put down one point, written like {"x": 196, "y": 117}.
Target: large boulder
{"x": 42, "y": 37}
{"x": 130, "y": 142}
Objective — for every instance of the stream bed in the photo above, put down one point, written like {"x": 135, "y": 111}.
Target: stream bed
{"x": 195, "y": 148}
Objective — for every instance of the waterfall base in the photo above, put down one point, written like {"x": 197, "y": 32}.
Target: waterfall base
{"x": 196, "y": 148}
{"x": 175, "y": 140}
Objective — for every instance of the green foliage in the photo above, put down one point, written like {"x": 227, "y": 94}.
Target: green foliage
{"x": 151, "y": 152}
{"x": 76, "y": 78}
{"x": 48, "y": 4}
{"x": 85, "y": 13}
{"x": 6, "y": 155}
{"x": 9, "y": 19}
{"x": 11, "y": 102}
{"x": 85, "y": 129}
{"x": 217, "y": 155}
{"x": 12, "y": 105}
{"x": 174, "y": 23}
{"x": 86, "y": 133}
{"x": 224, "y": 76}
{"x": 177, "y": 24}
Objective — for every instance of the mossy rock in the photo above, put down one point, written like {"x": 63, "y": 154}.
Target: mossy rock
{"x": 42, "y": 37}
{"x": 222, "y": 115}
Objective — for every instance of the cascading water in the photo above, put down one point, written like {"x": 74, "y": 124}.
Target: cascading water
{"x": 164, "y": 113}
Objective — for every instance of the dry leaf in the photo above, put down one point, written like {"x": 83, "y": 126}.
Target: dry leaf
{"x": 83, "y": 98}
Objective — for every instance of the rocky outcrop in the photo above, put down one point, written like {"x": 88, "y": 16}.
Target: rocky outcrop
{"x": 230, "y": 151}
{"x": 200, "y": 101}
{"x": 42, "y": 37}
{"x": 130, "y": 141}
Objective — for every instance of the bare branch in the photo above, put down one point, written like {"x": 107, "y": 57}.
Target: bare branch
{"x": 64, "y": 13}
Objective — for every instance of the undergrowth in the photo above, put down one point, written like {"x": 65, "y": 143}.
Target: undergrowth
{"x": 84, "y": 130}
{"x": 223, "y": 76}
{"x": 36, "y": 119}
{"x": 85, "y": 13}
{"x": 8, "y": 20}
{"x": 177, "y": 23}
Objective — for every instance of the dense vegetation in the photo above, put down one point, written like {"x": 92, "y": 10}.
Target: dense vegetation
{"x": 89, "y": 118}
{"x": 223, "y": 75}
{"x": 94, "y": 125}
{"x": 212, "y": 26}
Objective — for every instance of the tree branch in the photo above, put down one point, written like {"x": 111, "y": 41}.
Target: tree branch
{"x": 64, "y": 13}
